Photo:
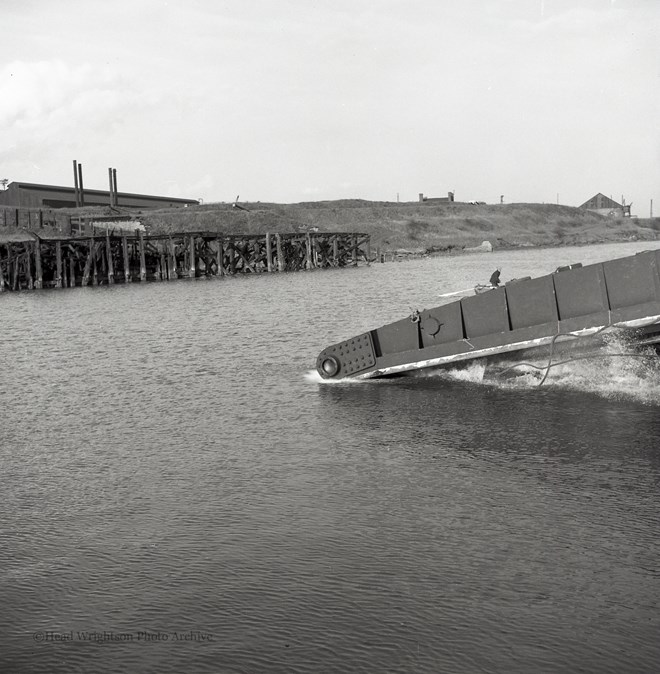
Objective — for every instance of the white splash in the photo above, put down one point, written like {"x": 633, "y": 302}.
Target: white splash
{"x": 313, "y": 377}
{"x": 615, "y": 371}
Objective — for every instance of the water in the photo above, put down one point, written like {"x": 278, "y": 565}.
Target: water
{"x": 181, "y": 494}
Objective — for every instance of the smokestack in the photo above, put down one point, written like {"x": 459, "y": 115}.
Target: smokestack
{"x": 80, "y": 182}
{"x": 75, "y": 182}
{"x": 114, "y": 186}
{"x": 111, "y": 193}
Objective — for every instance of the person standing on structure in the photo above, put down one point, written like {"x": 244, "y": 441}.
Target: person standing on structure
{"x": 495, "y": 278}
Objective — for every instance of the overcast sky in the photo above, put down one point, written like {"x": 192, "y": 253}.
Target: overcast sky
{"x": 299, "y": 100}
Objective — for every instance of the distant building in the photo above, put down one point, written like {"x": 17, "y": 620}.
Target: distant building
{"x": 437, "y": 200}
{"x": 605, "y": 206}
{"x": 32, "y": 195}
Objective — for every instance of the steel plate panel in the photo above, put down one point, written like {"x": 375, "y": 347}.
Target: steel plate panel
{"x": 580, "y": 291}
{"x": 486, "y": 313}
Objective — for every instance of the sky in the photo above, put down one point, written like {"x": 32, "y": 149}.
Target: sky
{"x": 547, "y": 101}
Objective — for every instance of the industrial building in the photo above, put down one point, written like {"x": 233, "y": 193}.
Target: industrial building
{"x": 436, "y": 200}
{"x": 606, "y": 206}
{"x": 32, "y": 195}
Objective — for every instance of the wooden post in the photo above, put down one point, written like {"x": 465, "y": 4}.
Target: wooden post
{"x": 308, "y": 251}
{"x": 37, "y": 263}
{"x": 127, "y": 263}
{"x": 163, "y": 264}
{"x": 95, "y": 277}
{"x": 269, "y": 253}
{"x": 88, "y": 262}
{"x": 143, "y": 261}
{"x": 2, "y": 275}
{"x": 111, "y": 269}
{"x": 256, "y": 254}
{"x": 15, "y": 280}
{"x": 335, "y": 250}
{"x": 218, "y": 256}
{"x": 191, "y": 244}
{"x": 232, "y": 257}
{"x": 171, "y": 268}
{"x": 58, "y": 258}
{"x": 280, "y": 256}
{"x": 368, "y": 246}
{"x": 64, "y": 272}
{"x": 354, "y": 251}
{"x": 72, "y": 272}
{"x": 28, "y": 264}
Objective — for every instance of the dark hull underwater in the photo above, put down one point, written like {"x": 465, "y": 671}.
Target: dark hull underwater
{"x": 575, "y": 309}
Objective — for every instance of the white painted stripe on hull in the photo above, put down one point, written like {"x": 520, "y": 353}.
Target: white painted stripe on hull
{"x": 505, "y": 348}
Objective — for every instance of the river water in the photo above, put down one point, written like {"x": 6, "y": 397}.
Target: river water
{"x": 181, "y": 493}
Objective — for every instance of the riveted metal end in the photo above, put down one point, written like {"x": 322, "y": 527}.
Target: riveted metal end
{"x": 347, "y": 358}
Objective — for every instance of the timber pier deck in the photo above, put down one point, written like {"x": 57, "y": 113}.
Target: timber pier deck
{"x": 36, "y": 261}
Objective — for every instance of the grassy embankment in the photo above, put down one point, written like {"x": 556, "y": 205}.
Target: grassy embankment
{"x": 415, "y": 227}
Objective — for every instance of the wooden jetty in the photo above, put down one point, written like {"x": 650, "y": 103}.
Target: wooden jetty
{"x": 36, "y": 261}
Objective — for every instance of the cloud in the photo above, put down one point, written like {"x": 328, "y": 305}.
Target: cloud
{"x": 47, "y": 103}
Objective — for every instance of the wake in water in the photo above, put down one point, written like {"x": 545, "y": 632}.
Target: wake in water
{"x": 313, "y": 377}
{"x": 614, "y": 371}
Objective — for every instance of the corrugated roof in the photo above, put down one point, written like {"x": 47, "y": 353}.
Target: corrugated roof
{"x": 60, "y": 188}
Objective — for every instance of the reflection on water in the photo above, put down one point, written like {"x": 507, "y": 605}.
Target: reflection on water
{"x": 169, "y": 465}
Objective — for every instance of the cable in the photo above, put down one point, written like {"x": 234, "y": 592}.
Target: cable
{"x": 550, "y": 364}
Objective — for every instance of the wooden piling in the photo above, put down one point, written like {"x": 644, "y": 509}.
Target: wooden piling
{"x": 15, "y": 279}
{"x": 143, "y": 262}
{"x": 111, "y": 270}
{"x": 96, "y": 260}
{"x": 58, "y": 262}
{"x": 171, "y": 268}
{"x": 39, "y": 284}
{"x": 127, "y": 264}
{"x": 269, "y": 253}
{"x": 232, "y": 256}
{"x": 280, "y": 256}
{"x": 28, "y": 265}
{"x": 95, "y": 276}
{"x": 163, "y": 264}
{"x": 88, "y": 262}
{"x": 191, "y": 245}
{"x": 219, "y": 256}
{"x": 308, "y": 251}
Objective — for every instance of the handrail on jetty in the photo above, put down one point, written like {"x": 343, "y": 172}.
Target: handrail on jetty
{"x": 33, "y": 261}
